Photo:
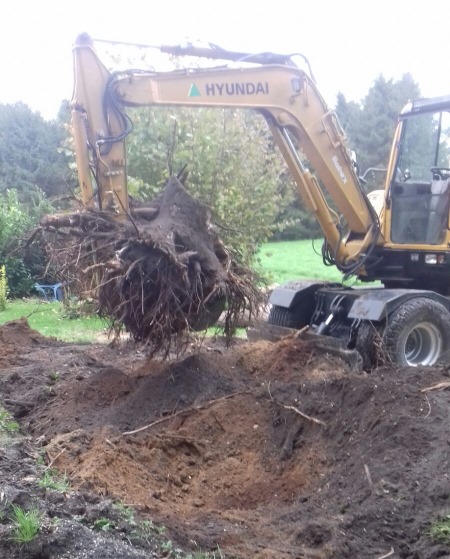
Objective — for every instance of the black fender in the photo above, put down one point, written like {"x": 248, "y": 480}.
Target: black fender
{"x": 366, "y": 303}
{"x": 291, "y": 293}
{"x": 378, "y": 303}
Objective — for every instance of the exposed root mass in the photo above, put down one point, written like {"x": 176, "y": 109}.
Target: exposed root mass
{"x": 159, "y": 273}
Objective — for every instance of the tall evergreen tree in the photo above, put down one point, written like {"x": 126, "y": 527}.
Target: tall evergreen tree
{"x": 370, "y": 125}
{"x": 29, "y": 152}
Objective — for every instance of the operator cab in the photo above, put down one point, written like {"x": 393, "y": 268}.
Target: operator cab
{"x": 420, "y": 190}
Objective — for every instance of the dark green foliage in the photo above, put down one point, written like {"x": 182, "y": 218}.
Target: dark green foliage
{"x": 370, "y": 126}
{"x": 33, "y": 167}
{"x": 29, "y": 152}
{"x": 296, "y": 223}
{"x": 20, "y": 281}
{"x": 17, "y": 220}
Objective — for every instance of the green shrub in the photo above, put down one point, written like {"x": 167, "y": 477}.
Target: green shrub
{"x": 20, "y": 282}
{"x": 17, "y": 220}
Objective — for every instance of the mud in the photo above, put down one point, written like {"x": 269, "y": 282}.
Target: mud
{"x": 260, "y": 450}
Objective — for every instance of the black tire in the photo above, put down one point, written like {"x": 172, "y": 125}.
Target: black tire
{"x": 417, "y": 333}
{"x": 288, "y": 318}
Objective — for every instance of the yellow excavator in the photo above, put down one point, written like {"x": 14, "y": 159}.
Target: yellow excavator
{"x": 399, "y": 237}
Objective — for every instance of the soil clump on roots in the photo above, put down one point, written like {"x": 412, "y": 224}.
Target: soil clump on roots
{"x": 258, "y": 450}
{"x": 159, "y": 272}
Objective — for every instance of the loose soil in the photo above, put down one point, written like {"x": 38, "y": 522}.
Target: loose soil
{"x": 259, "y": 450}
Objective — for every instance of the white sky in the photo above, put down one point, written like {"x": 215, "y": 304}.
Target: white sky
{"x": 349, "y": 43}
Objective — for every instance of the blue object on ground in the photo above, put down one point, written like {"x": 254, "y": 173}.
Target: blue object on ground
{"x": 50, "y": 292}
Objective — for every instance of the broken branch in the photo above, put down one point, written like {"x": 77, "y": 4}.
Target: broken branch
{"x": 439, "y": 386}
{"x": 296, "y": 410}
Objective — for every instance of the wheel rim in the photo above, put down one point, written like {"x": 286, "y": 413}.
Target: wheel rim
{"x": 423, "y": 345}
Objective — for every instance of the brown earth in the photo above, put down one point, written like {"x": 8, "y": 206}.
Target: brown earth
{"x": 262, "y": 450}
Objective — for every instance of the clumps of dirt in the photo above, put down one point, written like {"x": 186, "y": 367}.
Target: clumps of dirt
{"x": 294, "y": 358}
{"x": 16, "y": 336}
{"x": 264, "y": 449}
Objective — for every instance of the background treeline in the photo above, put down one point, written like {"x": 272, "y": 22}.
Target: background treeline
{"x": 230, "y": 158}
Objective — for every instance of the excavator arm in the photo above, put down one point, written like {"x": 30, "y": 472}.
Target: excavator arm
{"x": 285, "y": 95}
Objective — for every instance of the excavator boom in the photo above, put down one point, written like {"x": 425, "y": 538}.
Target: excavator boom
{"x": 287, "y": 97}
{"x": 404, "y": 243}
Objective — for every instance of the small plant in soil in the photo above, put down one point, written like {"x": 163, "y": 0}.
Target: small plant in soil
{"x": 26, "y": 524}
{"x": 439, "y": 531}
{"x": 40, "y": 460}
{"x": 7, "y": 424}
{"x": 103, "y": 525}
{"x": 52, "y": 480}
{"x": 126, "y": 513}
{"x": 146, "y": 530}
{"x": 53, "y": 376}
{"x": 142, "y": 529}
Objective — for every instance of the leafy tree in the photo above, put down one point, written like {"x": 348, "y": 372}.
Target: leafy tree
{"x": 230, "y": 159}
{"x": 29, "y": 154}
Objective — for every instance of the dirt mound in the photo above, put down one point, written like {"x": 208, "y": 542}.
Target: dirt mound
{"x": 264, "y": 449}
{"x": 16, "y": 337}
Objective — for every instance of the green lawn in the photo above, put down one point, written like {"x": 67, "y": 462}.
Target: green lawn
{"x": 288, "y": 260}
{"x": 47, "y": 319}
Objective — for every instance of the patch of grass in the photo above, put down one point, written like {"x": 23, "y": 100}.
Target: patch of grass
{"x": 125, "y": 512}
{"x": 40, "y": 460}
{"x": 167, "y": 546}
{"x": 103, "y": 525}
{"x": 439, "y": 531}
{"x": 7, "y": 424}
{"x": 26, "y": 524}
{"x": 52, "y": 480}
{"x": 144, "y": 529}
{"x": 47, "y": 319}
{"x": 289, "y": 260}
{"x": 283, "y": 261}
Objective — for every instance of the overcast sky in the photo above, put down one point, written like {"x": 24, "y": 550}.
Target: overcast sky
{"x": 348, "y": 42}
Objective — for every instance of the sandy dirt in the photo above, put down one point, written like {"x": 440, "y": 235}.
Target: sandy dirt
{"x": 262, "y": 450}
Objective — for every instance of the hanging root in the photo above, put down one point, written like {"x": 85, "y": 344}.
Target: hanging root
{"x": 160, "y": 273}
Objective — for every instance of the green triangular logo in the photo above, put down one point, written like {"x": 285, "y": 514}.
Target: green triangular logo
{"x": 194, "y": 91}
